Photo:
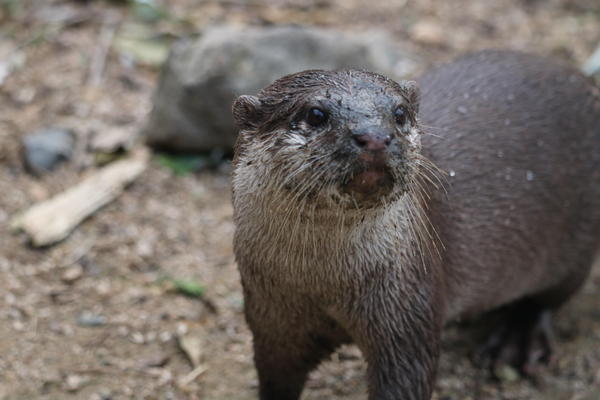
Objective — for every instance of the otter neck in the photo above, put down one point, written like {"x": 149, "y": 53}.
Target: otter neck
{"x": 322, "y": 249}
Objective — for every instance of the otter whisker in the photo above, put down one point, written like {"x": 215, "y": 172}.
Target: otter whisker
{"x": 295, "y": 206}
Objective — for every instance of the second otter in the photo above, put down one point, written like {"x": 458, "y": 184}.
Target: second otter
{"x": 346, "y": 232}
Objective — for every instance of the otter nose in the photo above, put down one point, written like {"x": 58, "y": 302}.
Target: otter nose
{"x": 372, "y": 141}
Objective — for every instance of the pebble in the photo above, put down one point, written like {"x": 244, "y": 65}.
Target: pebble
{"x": 43, "y": 150}
{"x": 103, "y": 288}
{"x": 73, "y": 383}
{"x": 138, "y": 338}
{"x": 102, "y": 394}
{"x": 18, "y": 326}
{"x": 428, "y": 32}
{"x": 165, "y": 336}
{"x": 90, "y": 319}
{"x": 72, "y": 274}
{"x": 506, "y": 373}
{"x": 155, "y": 360}
{"x": 592, "y": 65}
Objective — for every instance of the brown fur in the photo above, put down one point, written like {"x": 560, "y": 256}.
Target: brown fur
{"x": 517, "y": 218}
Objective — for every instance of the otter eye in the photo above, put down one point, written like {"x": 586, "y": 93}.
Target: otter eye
{"x": 400, "y": 115}
{"x": 316, "y": 117}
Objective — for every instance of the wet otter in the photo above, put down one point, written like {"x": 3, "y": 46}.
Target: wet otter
{"x": 346, "y": 232}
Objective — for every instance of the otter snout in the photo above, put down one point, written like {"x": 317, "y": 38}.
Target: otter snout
{"x": 372, "y": 154}
{"x": 372, "y": 176}
{"x": 372, "y": 141}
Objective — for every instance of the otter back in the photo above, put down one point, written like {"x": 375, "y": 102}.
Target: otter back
{"x": 520, "y": 139}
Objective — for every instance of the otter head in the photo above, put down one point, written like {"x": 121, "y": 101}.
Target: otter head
{"x": 338, "y": 138}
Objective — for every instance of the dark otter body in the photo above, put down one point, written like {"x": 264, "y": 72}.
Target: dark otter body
{"x": 332, "y": 198}
{"x": 521, "y": 137}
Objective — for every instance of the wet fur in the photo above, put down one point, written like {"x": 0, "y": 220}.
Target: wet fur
{"x": 320, "y": 269}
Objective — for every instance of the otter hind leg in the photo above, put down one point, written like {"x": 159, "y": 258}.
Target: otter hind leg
{"x": 524, "y": 339}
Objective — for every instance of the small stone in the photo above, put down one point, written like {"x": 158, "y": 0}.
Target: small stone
{"x": 138, "y": 338}
{"x": 90, "y": 319}
{"x": 428, "y": 32}
{"x": 18, "y": 326}
{"x": 155, "y": 360}
{"x": 103, "y": 288}
{"x": 530, "y": 175}
{"x": 73, "y": 383}
{"x": 165, "y": 336}
{"x": 9, "y": 64}
{"x": 72, "y": 274}
{"x": 45, "y": 149}
{"x": 144, "y": 248}
{"x": 592, "y": 65}
{"x": 182, "y": 329}
{"x": 506, "y": 373}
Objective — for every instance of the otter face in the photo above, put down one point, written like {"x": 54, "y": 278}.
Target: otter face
{"x": 347, "y": 137}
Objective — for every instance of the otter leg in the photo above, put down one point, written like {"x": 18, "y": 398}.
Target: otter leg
{"x": 283, "y": 361}
{"x": 524, "y": 340}
{"x": 402, "y": 366}
{"x": 399, "y": 334}
{"x": 290, "y": 339}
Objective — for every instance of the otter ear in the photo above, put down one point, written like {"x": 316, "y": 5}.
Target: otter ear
{"x": 247, "y": 112}
{"x": 412, "y": 93}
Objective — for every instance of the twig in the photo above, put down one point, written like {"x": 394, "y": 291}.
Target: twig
{"x": 98, "y": 61}
{"x": 195, "y": 373}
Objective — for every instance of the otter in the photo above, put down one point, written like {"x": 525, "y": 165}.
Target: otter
{"x": 347, "y": 230}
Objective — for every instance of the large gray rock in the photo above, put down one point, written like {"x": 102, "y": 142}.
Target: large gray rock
{"x": 192, "y": 104}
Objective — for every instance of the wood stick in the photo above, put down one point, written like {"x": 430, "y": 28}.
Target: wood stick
{"x": 53, "y": 220}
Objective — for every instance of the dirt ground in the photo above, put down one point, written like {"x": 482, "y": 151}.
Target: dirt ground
{"x": 92, "y": 317}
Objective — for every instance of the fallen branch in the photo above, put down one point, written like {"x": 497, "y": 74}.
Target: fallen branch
{"x": 98, "y": 61}
{"x": 53, "y": 220}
